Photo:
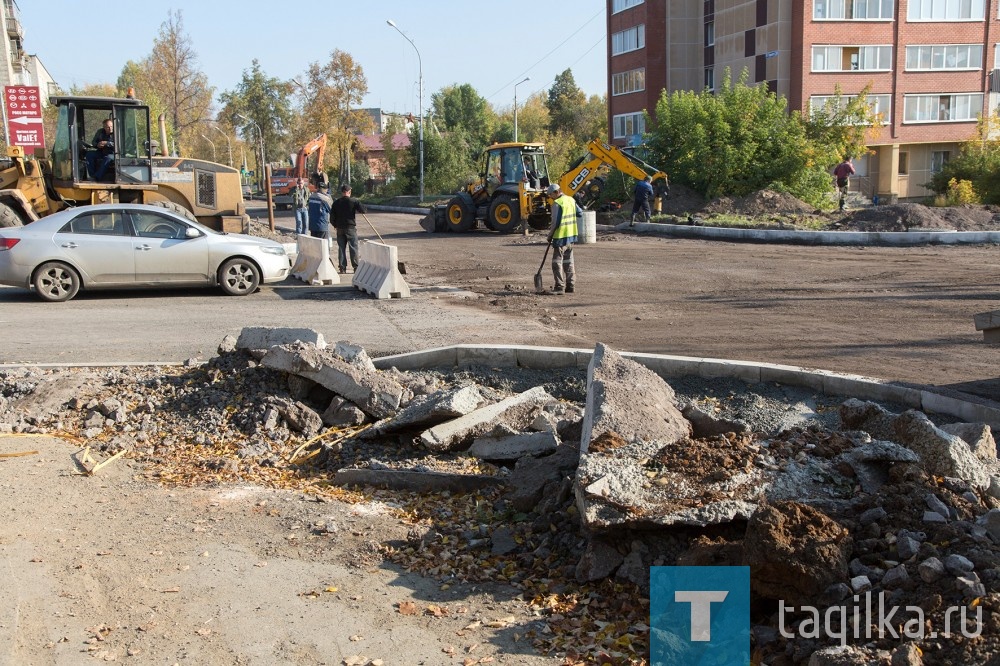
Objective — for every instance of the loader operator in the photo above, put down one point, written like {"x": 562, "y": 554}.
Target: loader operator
{"x": 104, "y": 150}
{"x": 565, "y": 213}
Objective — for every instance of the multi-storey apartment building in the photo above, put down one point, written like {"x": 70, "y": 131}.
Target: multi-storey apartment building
{"x": 929, "y": 64}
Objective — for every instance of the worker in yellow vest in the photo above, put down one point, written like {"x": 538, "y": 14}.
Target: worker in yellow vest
{"x": 565, "y": 215}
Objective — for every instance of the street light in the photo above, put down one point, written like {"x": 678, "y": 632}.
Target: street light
{"x": 263, "y": 155}
{"x": 213, "y": 147}
{"x": 229, "y": 143}
{"x": 527, "y": 78}
{"x": 420, "y": 70}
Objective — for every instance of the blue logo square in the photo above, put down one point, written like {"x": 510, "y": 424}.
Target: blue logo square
{"x": 699, "y": 616}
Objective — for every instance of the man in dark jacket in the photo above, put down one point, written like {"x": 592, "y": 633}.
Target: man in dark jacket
{"x": 103, "y": 152}
{"x": 320, "y": 204}
{"x": 344, "y": 210}
{"x": 643, "y": 195}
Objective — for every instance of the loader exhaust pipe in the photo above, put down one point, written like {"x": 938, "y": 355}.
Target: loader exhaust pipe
{"x": 163, "y": 133}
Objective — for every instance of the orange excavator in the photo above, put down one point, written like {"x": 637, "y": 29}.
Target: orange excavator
{"x": 283, "y": 179}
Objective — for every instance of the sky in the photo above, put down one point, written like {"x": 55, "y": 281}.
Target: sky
{"x": 491, "y": 46}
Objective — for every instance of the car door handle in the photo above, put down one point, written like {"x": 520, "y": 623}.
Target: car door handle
{"x": 143, "y": 248}
{"x": 70, "y": 246}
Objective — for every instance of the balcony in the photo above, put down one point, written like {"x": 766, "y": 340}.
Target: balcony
{"x": 14, "y": 28}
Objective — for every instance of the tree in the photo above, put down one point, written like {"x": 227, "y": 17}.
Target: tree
{"x": 565, "y": 102}
{"x": 171, "y": 71}
{"x": 742, "y": 139}
{"x": 447, "y": 164}
{"x": 329, "y": 95}
{"x": 978, "y": 162}
{"x": 134, "y": 75}
{"x": 460, "y": 107}
{"x": 265, "y": 100}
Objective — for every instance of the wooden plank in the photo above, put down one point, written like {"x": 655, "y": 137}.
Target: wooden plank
{"x": 987, "y": 320}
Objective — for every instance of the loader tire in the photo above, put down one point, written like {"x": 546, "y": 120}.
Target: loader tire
{"x": 8, "y": 218}
{"x": 505, "y": 214}
{"x": 459, "y": 216}
{"x": 177, "y": 209}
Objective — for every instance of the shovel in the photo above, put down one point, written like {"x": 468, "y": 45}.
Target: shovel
{"x": 400, "y": 266}
{"x": 538, "y": 276}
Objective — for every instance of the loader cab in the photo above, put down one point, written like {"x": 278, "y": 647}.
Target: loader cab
{"x": 74, "y": 156}
{"x": 513, "y": 166}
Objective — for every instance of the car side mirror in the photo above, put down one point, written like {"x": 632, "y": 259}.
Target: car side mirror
{"x": 191, "y": 232}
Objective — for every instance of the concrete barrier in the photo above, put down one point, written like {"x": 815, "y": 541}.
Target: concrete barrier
{"x": 587, "y": 232}
{"x": 313, "y": 264}
{"x": 378, "y": 271}
{"x": 989, "y": 324}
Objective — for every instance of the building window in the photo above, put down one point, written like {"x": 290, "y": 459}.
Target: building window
{"x": 879, "y": 104}
{"x": 904, "y": 164}
{"x": 961, "y": 107}
{"x": 631, "y": 39}
{"x": 710, "y": 79}
{"x": 938, "y": 159}
{"x": 853, "y": 10}
{"x": 852, "y": 58}
{"x": 628, "y": 124}
{"x": 622, "y": 5}
{"x": 628, "y": 82}
{"x": 946, "y": 10}
{"x": 944, "y": 56}
{"x": 710, "y": 33}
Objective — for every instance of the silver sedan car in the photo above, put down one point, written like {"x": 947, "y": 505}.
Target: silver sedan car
{"x": 133, "y": 245}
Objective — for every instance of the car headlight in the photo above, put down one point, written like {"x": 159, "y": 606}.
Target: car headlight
{"x": 273, "y": 250}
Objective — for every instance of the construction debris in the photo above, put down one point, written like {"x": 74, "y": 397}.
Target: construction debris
{"x": 569, "y": 487}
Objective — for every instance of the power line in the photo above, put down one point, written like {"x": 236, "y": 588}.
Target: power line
{"x": 556, "y": 48}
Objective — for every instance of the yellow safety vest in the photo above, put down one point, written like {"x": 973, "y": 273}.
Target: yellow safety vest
{"x": 567, "y": 221}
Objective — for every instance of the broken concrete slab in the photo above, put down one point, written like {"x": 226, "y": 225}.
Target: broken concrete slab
{"x": 941, "y": 453}
{"x": 420, "y": 482}
{"x": 978, "y": 436}
{"x": 354, "y": 354}
{"x": 598, "y": 561}
{"x": 631, "y": 400}
{"x": 868, "y": 416}
{"x": 514, "y": 447}
{"x": 376, "y": 395}
{"x": 515, "y": 412}
{"x": 431, "y": 410}
{"x": 526, "y": 484}
{"x": 704, "y": 424}
{"x": 342, "y": 413}
{"x": 300, "y": 417}
{"x": 51, "y": 393}
{"x": 258, "y": 339}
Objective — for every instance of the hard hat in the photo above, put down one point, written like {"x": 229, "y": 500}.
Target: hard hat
{"x": 553, "y": 190}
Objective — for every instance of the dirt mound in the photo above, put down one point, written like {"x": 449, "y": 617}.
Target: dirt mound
{"x": 905, "y": 216}
{"x": 682, "y": 200}
{"x": 762, "y": 202}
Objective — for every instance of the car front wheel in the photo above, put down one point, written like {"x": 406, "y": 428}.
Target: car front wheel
{"x": 55, "y": 282}
{"x": 239, "y": 277}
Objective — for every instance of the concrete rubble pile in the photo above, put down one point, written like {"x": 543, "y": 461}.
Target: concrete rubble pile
{"x": 886, "y": 503}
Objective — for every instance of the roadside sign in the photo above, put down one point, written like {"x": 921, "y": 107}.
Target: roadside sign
{"x": 23, "y": 109}
{"x": 771, "y": 54}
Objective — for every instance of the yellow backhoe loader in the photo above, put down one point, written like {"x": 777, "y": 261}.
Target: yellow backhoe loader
{"x": 510, "y": 191}
{"x": 33, "y": 188}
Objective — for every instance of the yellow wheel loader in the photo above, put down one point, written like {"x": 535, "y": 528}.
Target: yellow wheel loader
{"x": 33, "y": 188}
{"x": 510, "y": 191}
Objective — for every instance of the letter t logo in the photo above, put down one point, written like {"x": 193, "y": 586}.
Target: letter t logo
{"x": 701, "y": 611}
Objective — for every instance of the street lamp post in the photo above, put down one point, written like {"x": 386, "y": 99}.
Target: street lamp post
{"x": 527, "y": 78}
{"x": 420, "y": 70}
{"x": 211, "y": 143}
{"x": 229, "y": 143}
{"x": 263, "y": 155}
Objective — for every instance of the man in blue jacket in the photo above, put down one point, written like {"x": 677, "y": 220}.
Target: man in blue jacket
{"x": 643, "y": 195}
{"x": 320, "y": 204}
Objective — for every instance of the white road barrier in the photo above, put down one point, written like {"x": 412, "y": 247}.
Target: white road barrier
{"x": 378, "y": 271}
{"x": 313, "y": 264}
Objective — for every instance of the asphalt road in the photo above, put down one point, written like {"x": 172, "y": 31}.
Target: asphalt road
{"x": 900, "y": 314}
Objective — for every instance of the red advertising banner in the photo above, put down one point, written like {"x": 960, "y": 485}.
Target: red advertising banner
{"x": 23, "y": 107}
